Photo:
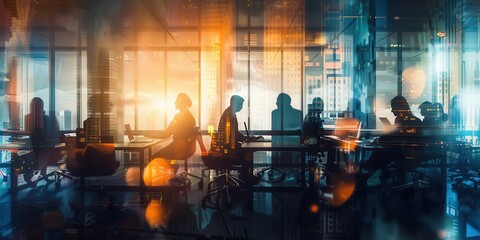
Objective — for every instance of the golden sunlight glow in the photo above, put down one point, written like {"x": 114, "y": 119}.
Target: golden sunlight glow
{"x": 157, "y": 172}
{"x": 210, "y": 129}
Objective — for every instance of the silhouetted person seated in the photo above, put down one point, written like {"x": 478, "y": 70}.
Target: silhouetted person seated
{"x": 432, "y": 113}
{"x": 285, "y": 117}
{"x": 406, "y": 125}
{"x": 181, "y": 128}
{"x": 313, "y": 124}
{"x": 45, "y": 134}
{"x": 232, "y": 138}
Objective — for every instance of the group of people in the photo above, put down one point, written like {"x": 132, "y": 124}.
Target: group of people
{"x": 406, "y": 126}
{"x": 285, "y": 117}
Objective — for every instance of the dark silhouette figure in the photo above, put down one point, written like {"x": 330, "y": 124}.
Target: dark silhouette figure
{"x": 181, "y": 128}
{"x": 454, "y": 116}
{"x": 426, "y": 110}
{"x": 432, "y": 113}
{"x": 228, "y": 125}
{"x": 231, "y": 138}
{"x": 285, "y": 117}
{"x": 405, "y": 121}
{"x": 313, "y": 123}
{"x": 45, "y": 134}
{"x": 405, "y": 124}
{"x": 440, "y": 112}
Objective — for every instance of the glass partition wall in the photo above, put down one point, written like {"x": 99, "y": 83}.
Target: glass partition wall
{"x": 138, "y": 55}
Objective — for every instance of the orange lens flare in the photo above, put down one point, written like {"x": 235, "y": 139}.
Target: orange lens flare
{"x": 157, "y": 172}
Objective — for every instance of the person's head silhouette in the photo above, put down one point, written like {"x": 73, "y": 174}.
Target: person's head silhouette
{"x": 183, "y": 102}
{"x": 437, "y": 110}
{"x": 236, "y": 103}
{"x": 283, "y": 100}
{"x": 400, "y": 106}
{"x": 317, "y": 105}
{"x": 35, "y": 118}
{"x": 426, "y": 109}
{"x": 36, "y": 105}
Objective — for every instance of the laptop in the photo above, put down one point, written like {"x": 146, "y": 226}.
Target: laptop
{"x": 248, "y": 135}
{"x": 386, "y": 123}
{"x": 348, "y": 133}
{"x": 132, "y": 139}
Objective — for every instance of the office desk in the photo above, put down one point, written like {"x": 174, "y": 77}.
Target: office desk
{"x": 150, "y": 148}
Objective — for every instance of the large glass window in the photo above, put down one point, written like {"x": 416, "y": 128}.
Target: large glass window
{"x": 66, "y": 90}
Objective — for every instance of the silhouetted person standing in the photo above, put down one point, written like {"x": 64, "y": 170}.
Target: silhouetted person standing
{"x": 285, "y": 117}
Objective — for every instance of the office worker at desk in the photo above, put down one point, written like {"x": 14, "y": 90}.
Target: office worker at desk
{"x": 45, "y": 134}
{"x": 406, "y": 124}
{"x": 313, "y": 124}
{"x": 231, "y": 137}
{"x": 180, "y": 128}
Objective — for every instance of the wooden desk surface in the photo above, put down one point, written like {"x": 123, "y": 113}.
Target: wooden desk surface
{"x": 129, "y": 145}
{"x": 272, "y": 146}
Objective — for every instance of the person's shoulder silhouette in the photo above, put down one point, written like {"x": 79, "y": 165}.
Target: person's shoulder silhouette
{"x": 313, "y": 123}
{"x": 285, "y": 117}
{"x": 44, "y": 128}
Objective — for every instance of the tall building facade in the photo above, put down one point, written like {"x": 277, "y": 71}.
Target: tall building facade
{"x": 65, "y": 120}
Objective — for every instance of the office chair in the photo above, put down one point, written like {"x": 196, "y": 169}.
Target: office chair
{"x": 466, "y": 170}
{"x": 96, "y": 159}
{"x": 54, "y": 156}
{"x": 419, "y": 153}
{"x": 272, "y": 170}
{"x": 223, "y": 183}
{"x": 183, "y": 177}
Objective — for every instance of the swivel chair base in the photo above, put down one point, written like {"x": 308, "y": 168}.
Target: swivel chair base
{"x": 231, "y": 183}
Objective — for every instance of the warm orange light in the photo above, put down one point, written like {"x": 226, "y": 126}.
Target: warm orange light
{"x": 132, "y": 176}
{"x": 157, "y": 172}
{"x": 314, "y": 208}
{"x": 210, "y": 129}
{"x": 343, "y": 188}
{"x": 155, "y": 214}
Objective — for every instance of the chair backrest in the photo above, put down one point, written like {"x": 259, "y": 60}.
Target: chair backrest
{"x": 96, "y": 159}
{"x": 212, "y": 159}
{"x": 203, "y": 149}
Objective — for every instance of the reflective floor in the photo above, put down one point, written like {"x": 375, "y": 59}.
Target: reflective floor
{"x": 281, "y": 209}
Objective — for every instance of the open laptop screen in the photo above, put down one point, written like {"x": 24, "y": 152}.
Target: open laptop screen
{"x": 128, "y": 130}
{"x": 246, "y": 130}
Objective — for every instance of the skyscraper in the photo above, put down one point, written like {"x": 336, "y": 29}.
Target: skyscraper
{"x": 65, "y": 120}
